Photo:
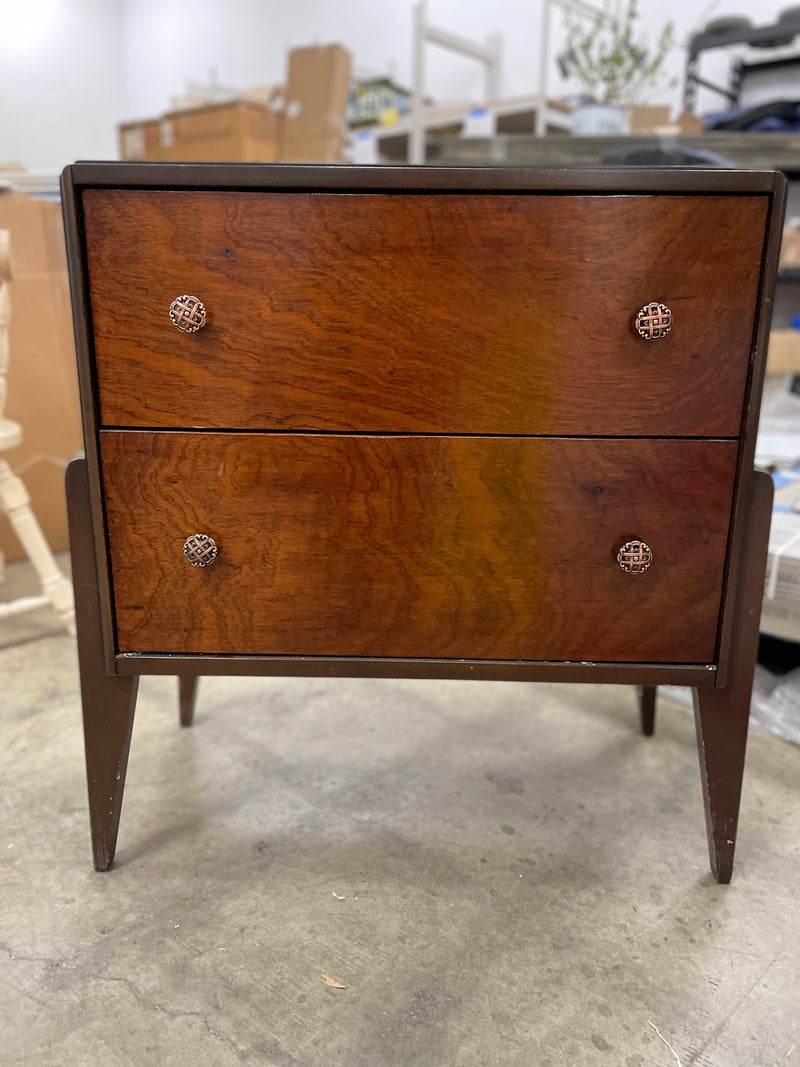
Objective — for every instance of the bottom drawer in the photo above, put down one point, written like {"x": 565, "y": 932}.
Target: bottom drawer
{"x": 453, "y": 547}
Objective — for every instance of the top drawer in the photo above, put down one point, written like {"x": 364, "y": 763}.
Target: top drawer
{"x": 433, "y": 313}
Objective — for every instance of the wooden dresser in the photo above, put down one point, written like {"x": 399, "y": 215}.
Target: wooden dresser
{"x": 420, "y": 423}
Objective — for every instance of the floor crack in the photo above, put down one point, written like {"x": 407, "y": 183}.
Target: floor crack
{"x": 25, "y": 959}
{"x": 718, "y": 1029}
{"x": 173, "y": 1013}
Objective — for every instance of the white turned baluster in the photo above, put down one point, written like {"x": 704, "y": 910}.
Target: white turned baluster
{"x": 14, "y": 499}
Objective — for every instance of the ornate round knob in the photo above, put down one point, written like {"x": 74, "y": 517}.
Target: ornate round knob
{"x": 654, "y": 321}
{"x": 634, "y": 557}
{"x": 187, "y": 313}
{"x": 200, "y": 550}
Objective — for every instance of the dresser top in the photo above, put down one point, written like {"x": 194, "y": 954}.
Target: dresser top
{"x": 268, "y": 176}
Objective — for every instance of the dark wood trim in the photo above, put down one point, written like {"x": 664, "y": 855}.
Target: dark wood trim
{"x": 108, "y": 702}
{"x": 268, "y": 176}
{"x": 187, "y": 695}
{"x": 82, "y": 328}
{"x": 696, "y": 675}
{"x": 738, "y": 540}
{"x": 722, "y": 715}
{"x": 647, "y": 709}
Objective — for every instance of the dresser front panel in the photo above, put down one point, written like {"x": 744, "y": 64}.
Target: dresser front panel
{"x": 427, "y": 313}
{"x": 460, "y": 547}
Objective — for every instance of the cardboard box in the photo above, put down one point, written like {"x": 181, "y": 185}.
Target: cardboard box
{"x": 689, "y": 124}
{"x": 314, "y": 150}
{"x": 783, "y": 354}
{"x": 317, "y": 90}
{"x": 790, "y": 247}
{"x": 643, "y": 120}
{"x": 239, "y": 131}
{"x": 138, "y": 140}
{"x": 42, "y": 379}
{"x": 655, "y": 121}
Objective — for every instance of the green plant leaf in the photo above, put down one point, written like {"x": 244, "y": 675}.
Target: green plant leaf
{"x": 611, "y": 61}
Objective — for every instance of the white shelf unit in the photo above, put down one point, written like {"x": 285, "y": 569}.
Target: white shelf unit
{"x": 413, "y": 138}
{"x": 392, "y": 143}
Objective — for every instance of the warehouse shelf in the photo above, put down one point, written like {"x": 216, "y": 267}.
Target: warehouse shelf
{"x": 516, "y": 115}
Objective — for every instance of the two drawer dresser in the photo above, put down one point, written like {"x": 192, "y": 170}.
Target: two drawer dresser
{"x": 420, "y": 423}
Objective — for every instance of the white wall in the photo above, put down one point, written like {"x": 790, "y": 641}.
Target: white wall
{"x": 70, "y": 70}
{"x": 247, "y": 40}
{"x": 169, "y": 42}
{"x": 62, "y": 80}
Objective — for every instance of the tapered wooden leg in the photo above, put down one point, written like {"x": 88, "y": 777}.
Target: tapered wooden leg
{"x": 647, "y": 709}
{"x": 187, "y": 688}
{"x": 721, "y": 715}
{"x": 108, "y": 701}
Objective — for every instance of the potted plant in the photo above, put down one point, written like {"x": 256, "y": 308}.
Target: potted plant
{"x": 613, "y": 65}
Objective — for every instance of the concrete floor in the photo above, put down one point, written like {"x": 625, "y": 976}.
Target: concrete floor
{"x": 498, "y": 873}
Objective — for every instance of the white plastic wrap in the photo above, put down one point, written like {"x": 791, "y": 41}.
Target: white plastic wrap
{"x": 774, "y": 707}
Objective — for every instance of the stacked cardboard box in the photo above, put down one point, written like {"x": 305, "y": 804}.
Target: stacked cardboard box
{"x": 652, "y": 120}
{"x": 238, "y": 131}
{"x": 42, "y": 380}
{"x": 790, "y": 245}
{"x": 783, "y": 354}
{"x": 317, "y": 89}
{"x": 310, "y": 129}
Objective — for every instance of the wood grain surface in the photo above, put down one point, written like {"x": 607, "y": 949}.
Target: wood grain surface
{"x": 424, "y": 313}
{"x": 413, "y": 546}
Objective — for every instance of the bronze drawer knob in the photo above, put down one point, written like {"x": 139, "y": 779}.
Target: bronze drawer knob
{"x": 187, "y": 313}
{"x": 634, "y": 557}
{"x": 654, "y": 321}
{"x": 200, "y": 550}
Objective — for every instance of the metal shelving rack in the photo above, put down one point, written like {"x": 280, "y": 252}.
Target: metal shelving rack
{"x": 777, "y": 35}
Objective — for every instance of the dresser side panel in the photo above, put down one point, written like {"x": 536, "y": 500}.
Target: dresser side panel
{"x": 72, "y": 211}
{"x": 738, "y": 542}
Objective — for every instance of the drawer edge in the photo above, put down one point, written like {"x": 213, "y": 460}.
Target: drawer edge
{"x": 701, "y": 676}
